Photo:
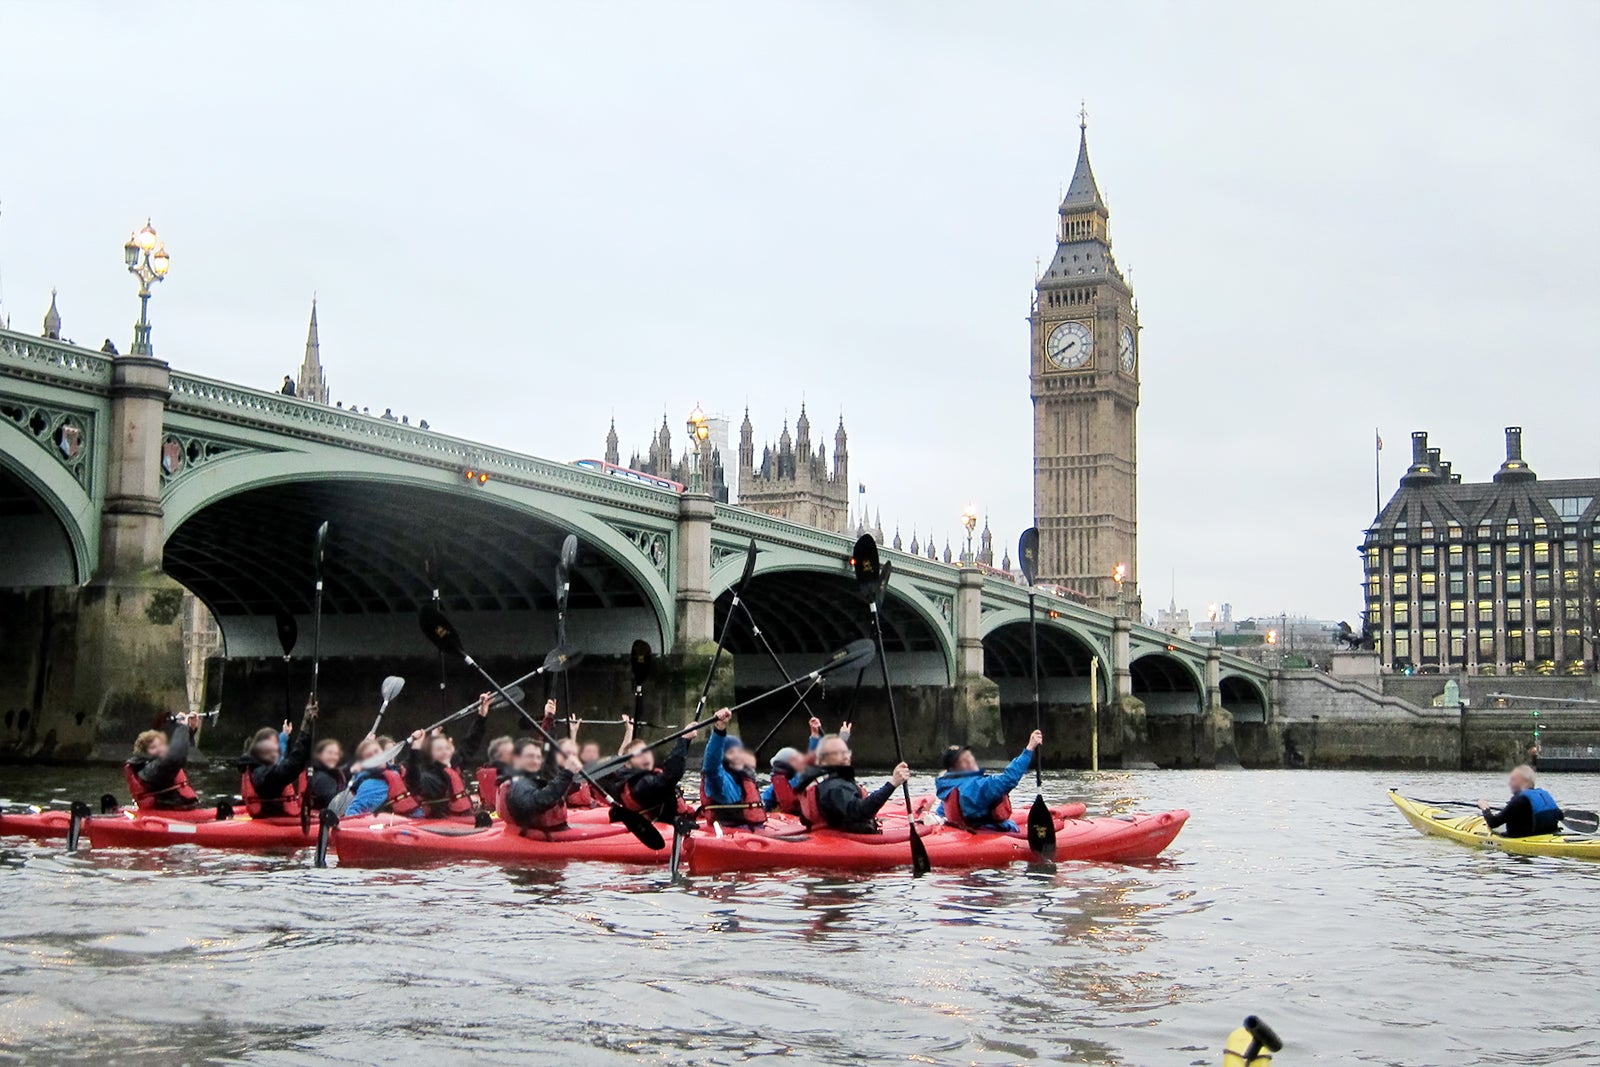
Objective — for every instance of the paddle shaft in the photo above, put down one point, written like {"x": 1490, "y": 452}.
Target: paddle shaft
{"x": 772, "y": 654}
{"x": 888, "y": 692}
{"x": 1038, "y": 710}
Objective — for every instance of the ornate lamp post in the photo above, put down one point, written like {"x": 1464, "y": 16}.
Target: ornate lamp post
{"x": 969, "y": 519}
{"x": 1211, "y": 613}
{"x": 1119, "y": 575}
{"x": 148, "y": 261}
{"x": 698, "y": 433}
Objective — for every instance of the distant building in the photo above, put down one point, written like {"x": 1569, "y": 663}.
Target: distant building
{"x": 1485, "y": 577}
{"x": 792, "y": 481}
{"x": 1172, "y": 620}
{"x": 659, "y": 461}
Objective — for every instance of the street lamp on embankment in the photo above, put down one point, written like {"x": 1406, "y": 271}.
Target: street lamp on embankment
{"x": 147, "y": 259}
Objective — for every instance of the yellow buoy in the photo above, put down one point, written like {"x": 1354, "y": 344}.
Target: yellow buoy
{"x": 1252, "y": 1045}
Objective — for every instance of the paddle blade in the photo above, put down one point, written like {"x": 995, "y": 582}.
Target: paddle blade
{"x": 642, "y": 659}
{"x": 854, "y": 656}
{"x": 569, "y": 551}
{"x": 883, "y": 581}
{"x": 514, "y": 692}
{"x": 391, "y": 688}
{"x": 639, "y": 827}
{"x": 865, "y": 559}
{"x": 1028, "y": 553}
{"x": 1583, "y": 822}
{"x": 288, "y": 632}
{"x": 437, "y": 629}
{"x": 1042, "y": 829}
{"x": 749, "y": 567}
{"x": 920, "y": 863}
{"x": 561, "y": 658}
{"x": 330, "y": 821}
{"x": 80, "y": 812}
{"x": 322, "y": 545}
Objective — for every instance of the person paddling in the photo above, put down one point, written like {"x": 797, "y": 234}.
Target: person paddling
{"x": 271, "y": 780}
{"x": 728, "y": 785}
{"x": 433, "y": 777}
{"x": 830, "y": 796}
{"x": 651, "y": 789}
{"x": 155, "y": 773}
{"x": 1530, "y": 810}
{"x": 532, "y": 800}
{"x": 974, "y": 800}
{"x": 325, "y": 775}
{"x": 369, "y": 789}
{"x": 788, "y": 764}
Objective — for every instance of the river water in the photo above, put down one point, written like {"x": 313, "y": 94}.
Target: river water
{"x": 1299, "y": 896}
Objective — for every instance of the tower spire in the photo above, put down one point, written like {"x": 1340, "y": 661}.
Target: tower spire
{"x": 311, "y": 385}
{"x": 1082, "y": 192}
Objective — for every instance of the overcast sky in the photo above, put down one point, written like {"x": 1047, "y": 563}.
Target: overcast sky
{"x": 521, "y": 219}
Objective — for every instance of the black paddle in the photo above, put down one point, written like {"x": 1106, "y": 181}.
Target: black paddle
{"x": 873, "y": 582}
{"x": 430, "y": 567}
{"x": 1041, "y": 824}
{"x": 1576, "y": 819}
{"x": 643, "y": 661}
{"x": 569, "y": 556}
{"x": 437, "y": 629}
{"x": 80, "y": 812}
{"x": 316, "y": 664}
{"x": 856, "y": 654}
{"x": 727, "y": 624}
{"x": 288, "y": 633}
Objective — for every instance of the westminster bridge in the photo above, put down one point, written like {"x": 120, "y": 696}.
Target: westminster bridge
{"x": 122, "y": 479}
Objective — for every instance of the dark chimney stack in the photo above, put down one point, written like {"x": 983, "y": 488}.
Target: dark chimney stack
{"x": 1423, "y": 470}
{"x": 1514, "y": 469}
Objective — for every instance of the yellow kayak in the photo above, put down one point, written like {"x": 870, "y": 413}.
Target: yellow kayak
{"x": 1471, "y": 830}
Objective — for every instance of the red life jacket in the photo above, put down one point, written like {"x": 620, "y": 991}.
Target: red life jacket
{"x": 488, "y": 777}
{"x": 1001, "y": 812}
{"x": 176, "y": 795}
{"x": 583, "y": 795}
{"x": 656, "y": 811}
{"x": 290, "y": 798}
{"x": 752, "y": 813}
{"x": 810, "y": 812}
{"x": 783, "y": 795}
{"x": 457, "y": 802}
{"x": 549, "y": 820}
{"x": 400, "y": 801}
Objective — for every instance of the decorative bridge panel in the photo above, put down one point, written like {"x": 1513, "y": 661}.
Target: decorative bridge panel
{"x": 653, "y": 545}
{"x": 56, "y": 363}
{"x": 65, "y": 435}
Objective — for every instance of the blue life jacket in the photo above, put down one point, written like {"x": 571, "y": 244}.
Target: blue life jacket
{"x": 1546, "y": 812}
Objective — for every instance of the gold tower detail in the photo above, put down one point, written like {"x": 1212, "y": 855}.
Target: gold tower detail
{"x": 1084, "y": 380}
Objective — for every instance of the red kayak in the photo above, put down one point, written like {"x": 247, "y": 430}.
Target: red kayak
{"x": 241, "y": 834}
{"x": 408, "y": 843}
{"x": 1112, "y": 839}
{"x": 43, "y": 824}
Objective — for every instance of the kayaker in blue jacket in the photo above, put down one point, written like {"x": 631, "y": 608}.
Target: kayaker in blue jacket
{"x": 368, "y": 787}
{"x": 728, "y": 778}
{"x": 978, "y": 801}
{"x": 1530, "y": 810}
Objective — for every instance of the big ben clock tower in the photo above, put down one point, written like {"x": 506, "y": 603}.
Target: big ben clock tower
{"x": 1085, "y": 387}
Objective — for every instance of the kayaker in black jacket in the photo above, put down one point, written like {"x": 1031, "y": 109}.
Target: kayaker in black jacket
{"x": 325, "y": 774}
{"x": 156, "y": 772}
{"x": 269, "y": 776}
{"x": 828, "y": 791}
{"x": 533, "y": 800}
{"x": 1530, "y": 810}
{"x": 648, "y": 788}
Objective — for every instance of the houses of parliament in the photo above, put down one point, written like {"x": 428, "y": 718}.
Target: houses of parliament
{"x": 1083, "y": 373}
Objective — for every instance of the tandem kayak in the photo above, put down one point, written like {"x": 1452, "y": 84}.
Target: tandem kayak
{"x": 240, "y": 834}
{"x": 1118, "y": 839}
{"x": 41, "y": 824}
{"x": 1472, "y": 831}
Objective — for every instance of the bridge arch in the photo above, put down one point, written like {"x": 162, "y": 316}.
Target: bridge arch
{"x": 48, "y": 521}
{"x": 1065, "y": 652}
{"x": 1167, "y": 685}
{"x": 241, "y": 531}
{"x": 1245, "y": 699}
{"x": 808, "y": 607}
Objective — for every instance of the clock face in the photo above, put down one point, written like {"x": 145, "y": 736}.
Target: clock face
{"x": 1125, "y": 350}
{"x": 1070, "y": 346}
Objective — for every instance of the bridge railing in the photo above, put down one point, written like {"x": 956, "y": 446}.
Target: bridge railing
{"x": 277, "y": 413}
{"x": 42, "y": 359}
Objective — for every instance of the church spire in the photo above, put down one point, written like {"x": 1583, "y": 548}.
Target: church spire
{"x": 613, "y": 452}
{"x": 312, "y": 386}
